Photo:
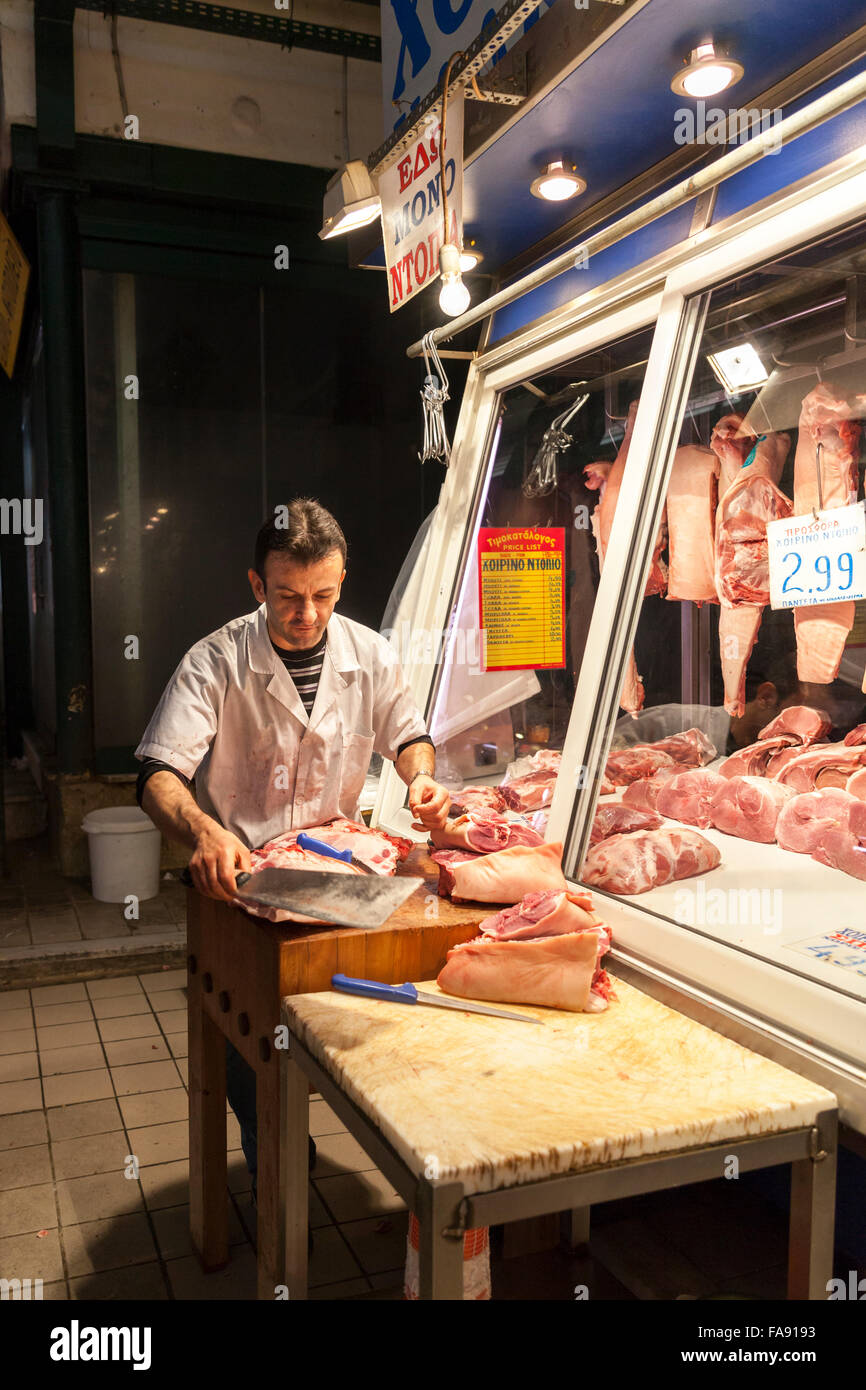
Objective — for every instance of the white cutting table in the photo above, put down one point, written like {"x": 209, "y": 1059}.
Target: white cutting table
{"x": 516, "y": 1121}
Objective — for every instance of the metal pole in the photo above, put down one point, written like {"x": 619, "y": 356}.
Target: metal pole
{"x": 843, "y": 97}
{"x": 60, "y": 300}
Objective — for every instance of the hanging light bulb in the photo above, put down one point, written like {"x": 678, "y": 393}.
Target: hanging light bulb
{"x": 453, "y": 296}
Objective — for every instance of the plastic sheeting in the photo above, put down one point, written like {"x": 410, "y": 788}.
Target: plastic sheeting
{"x": 467, "y": 694}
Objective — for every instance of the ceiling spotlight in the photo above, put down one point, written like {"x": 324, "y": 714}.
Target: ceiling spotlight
{"x": 556, "y": 182}
{"x": 738, "y": 368}
{"x": 350, "y": 200}
{"x": 470, "y": 257}
{"x": 453, "y": 296}
{"x": 706, "y": 73}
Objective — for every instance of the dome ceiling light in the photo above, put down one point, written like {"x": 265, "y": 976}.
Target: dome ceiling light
{"x": 706, "y": 73}
{"x": 557, "y": 181}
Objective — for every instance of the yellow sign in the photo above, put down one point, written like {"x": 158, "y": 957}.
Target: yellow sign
{"x": 521, "y": 577}
{"x": 14, "y": 276}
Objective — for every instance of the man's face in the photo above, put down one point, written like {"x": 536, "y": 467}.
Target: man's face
{"x": 300, "y": 598}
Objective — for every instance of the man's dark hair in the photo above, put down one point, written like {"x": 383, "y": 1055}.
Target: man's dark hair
{"x": 304, "y": 531}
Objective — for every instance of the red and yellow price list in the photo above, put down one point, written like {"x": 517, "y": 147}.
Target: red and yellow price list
{"x": 521, "y": 579}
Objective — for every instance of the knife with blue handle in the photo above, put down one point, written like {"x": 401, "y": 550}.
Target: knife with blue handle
{"x": 408, "y": 994}
{"x": 305, "y": 841}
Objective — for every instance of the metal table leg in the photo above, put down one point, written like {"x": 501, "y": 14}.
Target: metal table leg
{"x": 574, "y": 1228}
{"x": 812, "y": 1219}
{"x": 294, "y": 1178}
{"x": 440, "y": 1255}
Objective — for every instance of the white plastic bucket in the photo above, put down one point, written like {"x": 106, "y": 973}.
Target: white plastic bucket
{"x": 124, "y": 849}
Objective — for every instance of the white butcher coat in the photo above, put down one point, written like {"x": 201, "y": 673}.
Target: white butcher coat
{"x": 232, "y": 717}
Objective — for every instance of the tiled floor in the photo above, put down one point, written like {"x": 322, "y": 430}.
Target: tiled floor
{"x": 93, "y": 1074}
{"x": 38, "y": 906}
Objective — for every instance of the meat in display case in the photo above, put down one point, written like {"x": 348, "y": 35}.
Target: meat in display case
{"x": 554, "y": 471}
{"x": 752, "y": 772}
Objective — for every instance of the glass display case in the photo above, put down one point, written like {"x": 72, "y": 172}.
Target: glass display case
{"x": 699, "y": 752}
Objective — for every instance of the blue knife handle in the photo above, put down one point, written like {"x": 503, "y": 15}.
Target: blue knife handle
{"x": 319, "y": 847}
{"x": 375, "y": 989}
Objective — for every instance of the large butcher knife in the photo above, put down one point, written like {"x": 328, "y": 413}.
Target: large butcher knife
{"x": 349, "y": 900}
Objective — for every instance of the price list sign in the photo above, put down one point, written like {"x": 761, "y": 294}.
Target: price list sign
{"x": 521, "y": 581}
{"x": 819, "y": 557}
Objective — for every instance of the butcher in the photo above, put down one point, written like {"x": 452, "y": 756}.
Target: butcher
{"x": 276, "y": 716}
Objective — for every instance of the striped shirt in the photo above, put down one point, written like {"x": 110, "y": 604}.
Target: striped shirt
{"x": 305, "y": 668}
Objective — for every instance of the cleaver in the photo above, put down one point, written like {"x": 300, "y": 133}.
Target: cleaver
{"x": 349, "y": 900}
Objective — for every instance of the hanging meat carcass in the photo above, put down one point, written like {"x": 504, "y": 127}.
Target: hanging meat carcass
{"x": 632, "y": 693}
{"x": 691, "y": 513}
{"x": 732, "y": 446}
{"x": 742, "y": 566}
{"x": 828, "y": 446}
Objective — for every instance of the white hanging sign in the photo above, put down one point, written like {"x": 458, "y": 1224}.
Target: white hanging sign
{"x": 818, "y": 558}
{"x": 411, "y": 194}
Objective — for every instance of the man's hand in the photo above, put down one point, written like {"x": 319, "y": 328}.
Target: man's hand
{"x": 429, "y": 802}
{"x": 218, "y": 858}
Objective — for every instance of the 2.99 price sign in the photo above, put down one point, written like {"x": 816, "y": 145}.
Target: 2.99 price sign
{"x": 818, "y": 558}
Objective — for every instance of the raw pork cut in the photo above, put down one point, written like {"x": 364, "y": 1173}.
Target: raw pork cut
{"x": 383, "y": 852}
{"x": 731, "y": 448}
{"x": 822, "y": 765}
{"x": 827, "y": 433}
{"x": 479, "y": 799}
{"x": 742, "y": 567}
{"x": 635, "y": 863}
{"x": 806, "y": 724}
{"x": 557, "y": 972}
{"x": 689, "y": 749}
{"x": 691, "y": 510}
{"x": 748, "y": 807}
{"x": 642, "y": 796}
{"x": 484, "y": 831}
{"x": 534, "y": 789}
{"x": 635, "y": 764}
{"x": 531, "y": 792}
{"x": 752, "y": 760}
{"x": 502, "y": 877}
{"x": 542, "y": 914}
{"x": 782, "y": 757}
{"x": 804, "y": 822}
{"x": 856, "y": 736}
{"x": 856, "y": 784}
{"x": 619, "y": 819}
{"x": 687, "y": 796}
{"x": 845, "y": 848}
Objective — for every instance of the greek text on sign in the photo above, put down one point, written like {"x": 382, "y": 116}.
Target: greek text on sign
{"x": 819, "y": 557}
{"x": 521, "y": 581}
{"x": 411, "y": 195}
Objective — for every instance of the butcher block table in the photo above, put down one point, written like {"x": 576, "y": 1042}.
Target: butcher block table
{"x": 240, "y": 967}
{"x": 478, "y": 1120}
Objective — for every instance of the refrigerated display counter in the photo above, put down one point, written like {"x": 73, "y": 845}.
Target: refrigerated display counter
{"x": 658, "y": 432}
